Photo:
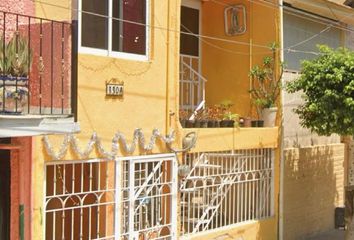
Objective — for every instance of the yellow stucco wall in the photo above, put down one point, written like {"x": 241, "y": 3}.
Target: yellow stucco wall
{"x": 224, "y": 139}
{"x": 313, "y": 187}
{"x": 55, "y": 10}
{"x": 149, "y": 100}
{"x": 151, "y": 92}
{"x": 254, "y": 230}
{"x": 226, "y": 64}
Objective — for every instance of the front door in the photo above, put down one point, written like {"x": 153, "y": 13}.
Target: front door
{"x": 190, "y": 15}
{"x": 191, "y": 80}
{"x": 5, "y": 194}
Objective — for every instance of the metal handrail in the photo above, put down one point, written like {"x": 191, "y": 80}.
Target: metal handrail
{"x": 190, "y": 75}
{"x": 194, "y": 72}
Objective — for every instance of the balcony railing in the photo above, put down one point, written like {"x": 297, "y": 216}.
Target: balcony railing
{"x": 35, "y": 65}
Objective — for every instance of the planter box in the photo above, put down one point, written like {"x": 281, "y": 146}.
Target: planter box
{"x": 13, "y": 94}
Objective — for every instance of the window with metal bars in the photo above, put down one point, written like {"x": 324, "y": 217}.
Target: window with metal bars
{"x": 126, "y": 198}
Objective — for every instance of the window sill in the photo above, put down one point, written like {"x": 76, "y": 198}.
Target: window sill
{"x": 118, "y": 55}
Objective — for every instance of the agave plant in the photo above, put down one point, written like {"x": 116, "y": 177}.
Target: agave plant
{"x": 5, "y": 65}
{"x": 15, "y": 57}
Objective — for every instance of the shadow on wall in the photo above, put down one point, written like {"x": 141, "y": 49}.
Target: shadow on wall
{"x": 313, "y": 187}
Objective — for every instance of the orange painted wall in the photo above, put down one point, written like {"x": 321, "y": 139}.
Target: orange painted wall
{"x": 21, "y": 180}
{"x": 15, "y": 195}
{"x": 226, "y": 64}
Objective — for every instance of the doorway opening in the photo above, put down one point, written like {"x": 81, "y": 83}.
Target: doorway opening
{"x": 5, "y": 181}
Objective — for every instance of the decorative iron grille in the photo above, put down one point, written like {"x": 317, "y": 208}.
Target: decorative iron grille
{"x": 226, "y": 188}
{"x": 35, "y": 65}
{"x": 130, "y": 198}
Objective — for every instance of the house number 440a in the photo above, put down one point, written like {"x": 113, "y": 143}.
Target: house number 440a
{"x": 114, "y": 90}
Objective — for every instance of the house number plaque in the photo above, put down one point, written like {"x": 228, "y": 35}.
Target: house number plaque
{"x": 114, "y": 88}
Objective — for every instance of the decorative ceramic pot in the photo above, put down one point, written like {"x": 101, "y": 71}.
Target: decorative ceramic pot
{"x": 13, "y": 94}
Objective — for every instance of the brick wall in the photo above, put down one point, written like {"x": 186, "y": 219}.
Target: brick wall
{"x": 313, "y": 187}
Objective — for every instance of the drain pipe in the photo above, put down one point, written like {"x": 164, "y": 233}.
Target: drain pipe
{"x": 282, "y": 159}
{"x": 168, "y": 113}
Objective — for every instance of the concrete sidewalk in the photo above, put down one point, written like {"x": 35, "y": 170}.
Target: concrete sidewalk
{"x": 332, "y": 235}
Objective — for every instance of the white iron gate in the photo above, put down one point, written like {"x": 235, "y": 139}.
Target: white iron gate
{"x": 129, "y": 198}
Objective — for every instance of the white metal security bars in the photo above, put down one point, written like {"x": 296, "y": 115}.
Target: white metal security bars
{"x": 130, "y": 198}
{"x": 223, "y": 189}
{"x": 192, "y": 83}
{"x": 149, "y": 198}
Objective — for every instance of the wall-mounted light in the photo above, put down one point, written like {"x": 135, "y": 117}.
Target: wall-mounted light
{"x": 235, "y": 20}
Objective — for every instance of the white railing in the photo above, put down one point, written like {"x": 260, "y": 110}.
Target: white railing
{"x": 227, "y": 188}
{"x": 130, "y": 198}
{"x": 192, "y": 83}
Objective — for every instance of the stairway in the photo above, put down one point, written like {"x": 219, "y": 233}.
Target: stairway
{"x": 203, "y": 191}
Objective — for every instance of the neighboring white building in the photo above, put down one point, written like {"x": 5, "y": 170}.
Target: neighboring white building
{"x": 313, "y": 172}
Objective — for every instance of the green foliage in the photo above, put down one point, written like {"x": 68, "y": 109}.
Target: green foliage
{"x": 327, "y": 83}
{"x": 18, "y": 57}
{"x": 225, "y": 110}
{"x": 266, "y": 84}
{"x": 230, "y": 116}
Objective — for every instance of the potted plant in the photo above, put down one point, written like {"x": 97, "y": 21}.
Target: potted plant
{"x": 201, "y": 119}
{"x": 214, "y": 116}
{"x": 183, "y": 117}
{"x": 265, "y": 88}
{"x": 245, "y": 121}
{"x": 15, "y": 62}
{"x": 257, "y": 123}
{"x": 228, "y": 118}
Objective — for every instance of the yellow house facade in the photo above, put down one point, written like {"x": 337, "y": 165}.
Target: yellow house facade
{"x": 109, "y": 167}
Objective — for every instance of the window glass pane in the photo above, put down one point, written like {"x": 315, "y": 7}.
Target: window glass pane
{"x": 126, "y": 36}
{"x": 298, "y": 29}
{"x": 94, "y": 29}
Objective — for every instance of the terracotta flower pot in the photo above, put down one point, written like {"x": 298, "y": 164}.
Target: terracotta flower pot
{"x": 247, "y": 122}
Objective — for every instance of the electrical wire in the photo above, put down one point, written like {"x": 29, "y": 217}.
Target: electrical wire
{"x": 299, "y": 13}
{"x": 159, "y": 27}
{"x": 153, "y": 26}
{"x": 178, "y": 31}
{"x": 290, "y": 48}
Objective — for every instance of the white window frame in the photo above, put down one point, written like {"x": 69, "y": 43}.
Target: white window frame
{"x": 109, "y": 52}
